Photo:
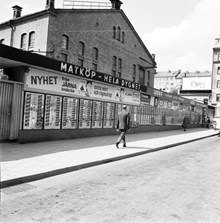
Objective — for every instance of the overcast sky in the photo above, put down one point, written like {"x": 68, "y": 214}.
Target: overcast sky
{"x": 180, "y": 32}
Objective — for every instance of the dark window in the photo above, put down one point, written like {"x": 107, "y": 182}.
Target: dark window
{"x": 81, "y": 48}
{"x": 217, "y": 97}
{"x": 133, "y": 79}
{"x": 134, "y": 71}
{"x": 2, "y": 41}
{"x": 65, "y": 42}
{"x": 119, "y": 34}
{"x": 141, "y": 76}
{"x": 148, "y": 75}
{"x": 23, "y": 41}
{"x": 31, "y": 40}
{"x": 218, "y": 70}
{"x": 95, "y": 54}
{"x": 114, "y": 32}
{"x": 119, "y": 67}
{"x": 114, "y": 65}
{"x": 123, "y": 37}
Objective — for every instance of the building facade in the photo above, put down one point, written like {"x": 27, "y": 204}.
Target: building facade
{"x": 100, "y": 39}
{"x": 216, "y": 76}
{"x": 168, "y": 81}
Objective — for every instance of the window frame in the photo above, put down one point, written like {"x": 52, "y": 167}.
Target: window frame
{"x": 81, "y": 50}
{"x": 31, "y": 40}
{"x": 65, "y": 42}
{"x": 23, "y": 43}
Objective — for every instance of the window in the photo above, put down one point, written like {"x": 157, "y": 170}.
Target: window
{"x": 119, "y": 67}
{"x": 123, "y": 37}
{"x": 2, "y": 41}
{"x": 217, "y": 97}
{"x": 133, "y": 79}
{"x": 119, "y": 34}
{"x": 95, "y": 54}
{"x": 148, "y": 75}
{"x": 81, "y": 48}
{"x": 218, "y": 57}
{"x": 64, "y": 57}
{"x": 141, "y": 76}
{"x": 23, "y": 41}
{"x": 114, "y": 32}
{"x": 65, "y": 42}
{"x": 218, "y": 84}
{"x": 114, "y": 65}
{"x": 218, "y": 70}
{"x": 31, "y": 40}
{"x": 134, "y": 73}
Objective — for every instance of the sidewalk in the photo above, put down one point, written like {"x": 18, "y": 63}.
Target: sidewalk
{"x": 22, "y": 163}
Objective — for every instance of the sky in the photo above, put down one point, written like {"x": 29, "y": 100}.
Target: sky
{"x": 180, "y": 32}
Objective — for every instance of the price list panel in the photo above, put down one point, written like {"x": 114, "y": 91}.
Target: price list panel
{"x": 52, "y": 112}
{"x": 33, "y": 111}
{"x": 97, "y": 110}
{"x": 69, "y": 114}
{"x": 108, "y": 121}
{"x": 85, "y": 113}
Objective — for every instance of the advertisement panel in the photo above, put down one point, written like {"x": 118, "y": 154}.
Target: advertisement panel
{"x": 51, "y": 82}
{"x": 196, "y": 83}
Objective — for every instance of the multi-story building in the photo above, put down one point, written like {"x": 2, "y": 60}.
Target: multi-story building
{"x": 168, "y": 81}
{"x": 99, "y": 37}
{"x": 193, "y": 85}
{"x": 216, "y": 77}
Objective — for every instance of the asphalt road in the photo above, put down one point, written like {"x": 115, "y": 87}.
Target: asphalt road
{"x": 180, "y": 184}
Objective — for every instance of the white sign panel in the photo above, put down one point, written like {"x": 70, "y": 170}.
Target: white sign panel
{"x": 52, "y": 82}
{"x": 196, "y": 83}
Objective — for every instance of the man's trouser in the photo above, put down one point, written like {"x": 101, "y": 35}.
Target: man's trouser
{"x": 122, "y": 137}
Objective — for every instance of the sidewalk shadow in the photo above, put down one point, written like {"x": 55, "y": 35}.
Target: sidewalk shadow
{"x": 15, "y": 151}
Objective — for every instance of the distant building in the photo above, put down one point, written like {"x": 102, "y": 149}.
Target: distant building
{"x": 168, "y": 81}
{"x": 216, "y": 77}
{"x": 192, "y": 85}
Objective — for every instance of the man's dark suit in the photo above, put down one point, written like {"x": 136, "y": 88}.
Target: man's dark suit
{"x": 123, "y": 124}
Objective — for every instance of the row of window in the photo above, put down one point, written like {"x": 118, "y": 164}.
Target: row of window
{"x": 27, "y": 40}
{"x": 118, "y": 34}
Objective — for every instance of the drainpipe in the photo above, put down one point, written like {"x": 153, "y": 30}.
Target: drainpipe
{"x": 12, "y": 33}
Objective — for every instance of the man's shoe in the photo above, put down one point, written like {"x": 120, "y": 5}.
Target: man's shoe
{"x": 124, "y": 145}
{"x": 117, "y": 144}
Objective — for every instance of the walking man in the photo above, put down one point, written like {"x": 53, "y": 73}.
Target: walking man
{"x": 185, "y": 122}
{"x": 123, "y": 125}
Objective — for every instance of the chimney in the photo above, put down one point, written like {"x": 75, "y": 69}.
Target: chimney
{"x": 217, "y": 41}
{"x": 116, "y": 4}
{"x": 16, "y": 11}
{"x": 49, "y": 4}
{"x": 153, "y": 55}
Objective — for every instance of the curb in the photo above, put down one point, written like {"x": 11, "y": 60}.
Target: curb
{"x": 40, "y": 176}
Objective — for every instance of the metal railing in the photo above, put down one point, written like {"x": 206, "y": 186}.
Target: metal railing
{"x": 71, "y": 4}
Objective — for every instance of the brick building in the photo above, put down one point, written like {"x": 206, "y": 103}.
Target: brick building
{"x": 99, "y": 38}
{"x": 216, "y": 76}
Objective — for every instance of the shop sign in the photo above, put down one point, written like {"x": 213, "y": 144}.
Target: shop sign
{"x": 91, "y": 74}
{"x": 145, "y": 98}
{"x": 51, "y": 82}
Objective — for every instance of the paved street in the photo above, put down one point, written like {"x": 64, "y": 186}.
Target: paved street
{"x": 180, "y": 184}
